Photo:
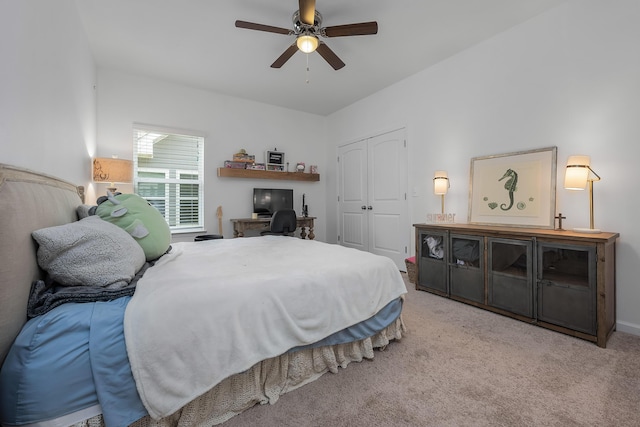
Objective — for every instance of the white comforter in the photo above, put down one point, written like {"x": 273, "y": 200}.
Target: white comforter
{"x": 214, "y": 308}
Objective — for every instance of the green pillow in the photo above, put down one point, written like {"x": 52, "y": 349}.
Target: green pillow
{"x": 137, "y": 217}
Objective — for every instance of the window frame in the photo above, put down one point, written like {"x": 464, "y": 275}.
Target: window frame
{"x": 173, "y": 202}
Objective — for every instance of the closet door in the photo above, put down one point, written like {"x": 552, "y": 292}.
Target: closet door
{"x": 353, "y": 196}
{"x": 373, "y": 196}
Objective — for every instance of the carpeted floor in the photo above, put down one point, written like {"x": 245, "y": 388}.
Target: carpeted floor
{"x": 463, "y": 366}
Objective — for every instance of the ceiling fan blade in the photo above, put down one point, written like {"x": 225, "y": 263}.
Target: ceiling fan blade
{"x": 285, "y": 56}
{"x": 307, "y": 11}
{"x": 262, "y": 27}
{"x": 329, "y": 56}
{"x": 361, "y": 29}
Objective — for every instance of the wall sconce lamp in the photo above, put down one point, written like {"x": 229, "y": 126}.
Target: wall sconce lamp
{"x": 112, "y": 170}
{"x": 577, "y": 176}
{"x": 440, "y": 185}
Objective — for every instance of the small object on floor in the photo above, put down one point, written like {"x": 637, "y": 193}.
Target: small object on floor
{"x": 411, "y": 269}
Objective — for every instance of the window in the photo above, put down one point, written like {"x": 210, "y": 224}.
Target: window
{"x": 169, "y": 174}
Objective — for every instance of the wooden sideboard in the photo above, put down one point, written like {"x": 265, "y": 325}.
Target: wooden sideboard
{"x": 557, "y": 279}
{"x": 240, "y": 225}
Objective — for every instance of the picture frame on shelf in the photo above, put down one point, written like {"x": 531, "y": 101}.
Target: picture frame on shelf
{"x": 515, "y": 189}
{"x": 313, "y": 169}
{"x": 274, "y": 160}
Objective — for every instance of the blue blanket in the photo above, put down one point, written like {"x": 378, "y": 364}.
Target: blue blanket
{"x": 69, "y": 359}
{"x": 74, "y": 357}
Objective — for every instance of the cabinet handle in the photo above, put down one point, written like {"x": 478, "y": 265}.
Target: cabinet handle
{"x": 554, "y": 284}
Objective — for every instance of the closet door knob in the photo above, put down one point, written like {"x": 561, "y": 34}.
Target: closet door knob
{"x": 369, "y": 207}
{"x": 363, "y": 207}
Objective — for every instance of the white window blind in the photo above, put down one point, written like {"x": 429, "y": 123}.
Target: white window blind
{"x": 169, "y": 174}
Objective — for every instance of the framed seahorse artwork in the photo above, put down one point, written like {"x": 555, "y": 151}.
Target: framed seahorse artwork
{"x": 515, "y": 189}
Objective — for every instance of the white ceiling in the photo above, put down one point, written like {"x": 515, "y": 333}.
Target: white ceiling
{"x": 195, "y": 42}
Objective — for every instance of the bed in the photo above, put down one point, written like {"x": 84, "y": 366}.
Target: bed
{"x": 201, "y": 334}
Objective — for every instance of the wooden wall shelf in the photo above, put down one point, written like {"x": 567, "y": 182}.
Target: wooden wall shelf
{"x": 261, "y": 174}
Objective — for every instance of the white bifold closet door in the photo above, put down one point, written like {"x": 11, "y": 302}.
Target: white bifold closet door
{"x": 372, "y": 196}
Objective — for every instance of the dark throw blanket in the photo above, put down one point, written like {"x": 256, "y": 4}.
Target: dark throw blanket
{"x": 46, "y": 294}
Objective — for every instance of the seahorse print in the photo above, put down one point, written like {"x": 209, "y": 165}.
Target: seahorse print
{"x": 510, "y": 186}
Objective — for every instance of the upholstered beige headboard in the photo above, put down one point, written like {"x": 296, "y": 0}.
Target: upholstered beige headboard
{"x": 28, "y": 201}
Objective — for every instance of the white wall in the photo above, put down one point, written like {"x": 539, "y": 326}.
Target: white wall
{"x": 48, "y": 111}
{"x": 47, "y": 96}
{"x": 229, "y": 125}
{"x": 568, "y": 78}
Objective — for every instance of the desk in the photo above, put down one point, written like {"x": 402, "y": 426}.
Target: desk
{"x": 240, "y": 225}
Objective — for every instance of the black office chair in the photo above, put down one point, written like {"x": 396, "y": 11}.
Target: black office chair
{"x": 283, "y": 223}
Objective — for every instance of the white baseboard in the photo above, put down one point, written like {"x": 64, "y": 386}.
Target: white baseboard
{"x": 630, "y": 328}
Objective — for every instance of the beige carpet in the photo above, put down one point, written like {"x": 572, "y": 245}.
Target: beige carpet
{"x": 462, "y": 366}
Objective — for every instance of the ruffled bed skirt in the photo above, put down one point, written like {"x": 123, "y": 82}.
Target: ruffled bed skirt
{"x": 266, "y": 381}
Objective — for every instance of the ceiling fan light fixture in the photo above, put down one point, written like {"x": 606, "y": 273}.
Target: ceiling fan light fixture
{"x": 307, "y": 29}
{"x": 307, "y": 43}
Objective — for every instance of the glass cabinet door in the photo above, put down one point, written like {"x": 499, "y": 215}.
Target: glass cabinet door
{"x": 510, "y": 275}
{"x": 566, "y": 286}
{"x": 432, "y": 274}
{"x": 466, "y": 266}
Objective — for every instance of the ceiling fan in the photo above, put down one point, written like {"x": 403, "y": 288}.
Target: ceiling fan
{"x": 307, "y": 27}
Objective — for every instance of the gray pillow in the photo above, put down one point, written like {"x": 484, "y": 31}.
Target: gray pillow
{"x": 89, "y": 252}
{"x": 83, "y": 211}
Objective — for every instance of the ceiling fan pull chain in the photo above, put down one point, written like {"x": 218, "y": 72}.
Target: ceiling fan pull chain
{"x": 307, "y": 68}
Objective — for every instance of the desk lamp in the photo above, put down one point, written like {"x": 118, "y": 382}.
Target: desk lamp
{"x": 440, "y": 185}
{"x": 577, "y": 176}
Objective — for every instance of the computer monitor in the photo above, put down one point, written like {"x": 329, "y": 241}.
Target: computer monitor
{"x": 268, "y": 200}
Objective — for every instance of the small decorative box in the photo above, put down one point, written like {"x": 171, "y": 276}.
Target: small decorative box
{"x": 234, "y": 165}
